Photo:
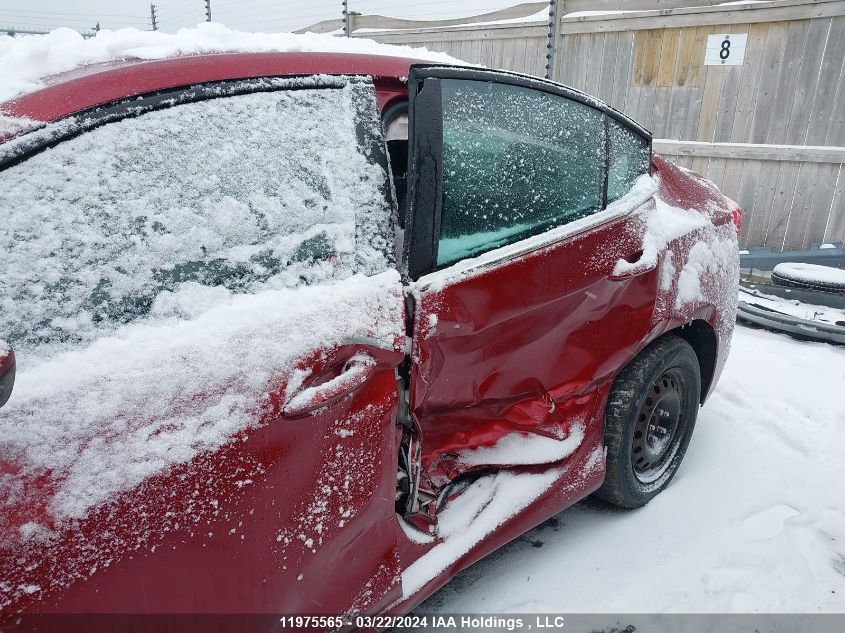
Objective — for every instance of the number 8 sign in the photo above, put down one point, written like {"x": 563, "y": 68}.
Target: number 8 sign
{"x": 727, "y": 49}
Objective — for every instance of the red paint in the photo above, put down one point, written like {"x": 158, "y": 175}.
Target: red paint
{"x": 532, "y": 345}
{"x": 7, "y": 359}
{"x": 97, "y": 84}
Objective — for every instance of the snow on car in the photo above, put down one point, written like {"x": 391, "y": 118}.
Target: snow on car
{"x": 282, "y": 317}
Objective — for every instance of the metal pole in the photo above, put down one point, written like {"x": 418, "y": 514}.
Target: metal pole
{"x": 153, "y": 17}
{"x": 208, "y": 10}
{"x": 346, "y": 29}
{"x": 554, "y": 36}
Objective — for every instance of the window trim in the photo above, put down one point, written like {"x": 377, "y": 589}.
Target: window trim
{"x": 425, "y": 121}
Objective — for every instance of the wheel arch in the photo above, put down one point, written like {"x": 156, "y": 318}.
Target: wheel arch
{"x": 702, "y": 338}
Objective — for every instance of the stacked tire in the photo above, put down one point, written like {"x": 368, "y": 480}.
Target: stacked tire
{"x": 809, "y": 277}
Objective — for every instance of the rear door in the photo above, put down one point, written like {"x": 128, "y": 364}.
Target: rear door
{"x": 201, "y": 290}
{"x": 523, "y": 196}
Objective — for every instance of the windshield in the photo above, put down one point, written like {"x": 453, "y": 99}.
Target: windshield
{"x": 164, "y": 215}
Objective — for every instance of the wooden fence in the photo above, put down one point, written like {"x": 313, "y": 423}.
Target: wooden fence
{"x": 769, "y": 131}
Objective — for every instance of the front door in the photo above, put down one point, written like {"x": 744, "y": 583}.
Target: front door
{"x": 522, "y": 199}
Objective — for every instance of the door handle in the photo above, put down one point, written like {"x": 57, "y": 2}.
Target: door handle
{"x": 635, "y": 266}
{"x": 357, "y": 370}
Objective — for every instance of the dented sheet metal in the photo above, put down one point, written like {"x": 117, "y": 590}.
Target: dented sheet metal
{"x": 524, "y": 349}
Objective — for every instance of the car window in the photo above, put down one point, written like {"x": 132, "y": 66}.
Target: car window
{"x": 164, "y": 214}
{"x": 629, "y": 155}
{"x": 516, "y": 162}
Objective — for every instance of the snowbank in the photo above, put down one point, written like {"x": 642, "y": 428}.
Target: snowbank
{"x": 26, "y": 61}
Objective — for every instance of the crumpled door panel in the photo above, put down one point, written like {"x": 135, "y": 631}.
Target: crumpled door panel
{"x": 514, "y": 355}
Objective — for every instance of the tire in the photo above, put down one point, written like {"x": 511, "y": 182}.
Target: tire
{"x": 659, "y": 389}
{"x": 782, "y": 277}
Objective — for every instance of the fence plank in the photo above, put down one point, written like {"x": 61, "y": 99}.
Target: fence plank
{"x": 608, "y": 69}
{"x": 751, "y": 73}
{"x": 823, "y": 106}
{"x": 772, "y": 60}
{"x": 580, "y": 61}
{"x": 666, "y": 74}
{"x": 790, "y": 71}
{"x": 746, "y": 197}
{"x": 805, "y": 91}
{"x": 564, "y": 61}
{"x": 724, "y": 119}
{"x": 716, "y": 170}
{"x": 836, "y": 126}
{"x": 801, "y": 206}
{"x": 651, "y": 64}
{"x": 732, "y": 177}
{"x": 622, "y": 77}
{"x": 782, "y": 204}
{"x": 763, "y": 200}
{"x": 713, "y": 80}
{"x": 594, "y": 63}
{"x": 835, "y": 229}
{"x": 680, "y": 94}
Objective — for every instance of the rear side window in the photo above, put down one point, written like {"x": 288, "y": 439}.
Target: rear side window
{"x": 629, "y": 155}
{"x": 516, "y": 162}
{"x": 168, "y": 213}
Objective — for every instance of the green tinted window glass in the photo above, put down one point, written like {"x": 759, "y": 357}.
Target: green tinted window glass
{"x": 516, "y": 162}
{"x": 629, "y": 155}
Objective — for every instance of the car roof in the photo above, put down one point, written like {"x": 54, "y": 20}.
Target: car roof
{"x": 96, "y": 84}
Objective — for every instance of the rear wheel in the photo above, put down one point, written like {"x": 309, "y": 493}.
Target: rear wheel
{"x": 649, "y": 419}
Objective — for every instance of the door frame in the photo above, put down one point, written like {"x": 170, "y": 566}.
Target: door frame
{"x": 425, "y": 149}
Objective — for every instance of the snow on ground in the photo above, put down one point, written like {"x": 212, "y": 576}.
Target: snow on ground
{"x": 753, "y": 522}
{"x": 25, "y": 61}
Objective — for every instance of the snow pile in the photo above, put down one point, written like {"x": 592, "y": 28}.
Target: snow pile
{"x": 26, "y": 61}
{"x": 811, "y": 273}
{"x": 750, "y": 524}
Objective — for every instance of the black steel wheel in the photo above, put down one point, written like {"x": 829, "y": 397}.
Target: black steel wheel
{"x": 649, "y": 420}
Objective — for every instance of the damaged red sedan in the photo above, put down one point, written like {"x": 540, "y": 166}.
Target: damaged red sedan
{"x": 311, "y": 333}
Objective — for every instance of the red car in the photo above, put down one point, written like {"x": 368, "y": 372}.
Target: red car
{"x": 311, "y": 333}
